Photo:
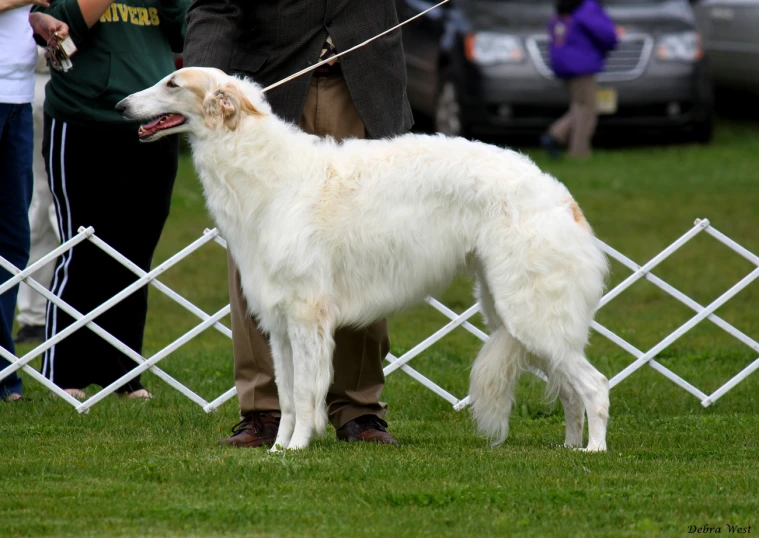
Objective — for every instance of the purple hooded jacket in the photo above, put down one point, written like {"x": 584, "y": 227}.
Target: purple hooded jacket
{"x": 581, "y": 41}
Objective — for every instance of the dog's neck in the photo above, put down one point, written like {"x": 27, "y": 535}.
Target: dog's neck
{"x": 241, "y": 169}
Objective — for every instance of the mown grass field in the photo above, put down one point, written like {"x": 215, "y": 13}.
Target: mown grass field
{"x": 154, "y": 469}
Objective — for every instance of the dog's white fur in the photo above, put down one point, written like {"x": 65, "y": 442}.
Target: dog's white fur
{"x": 329, "y": 234}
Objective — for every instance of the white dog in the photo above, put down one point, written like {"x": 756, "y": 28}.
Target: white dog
{"x": 329, "y": 234}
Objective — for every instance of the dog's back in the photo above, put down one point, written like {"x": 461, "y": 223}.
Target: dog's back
{"x": 416, "y": 209}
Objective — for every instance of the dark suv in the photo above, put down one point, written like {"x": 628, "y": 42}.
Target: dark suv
{"x": 482, "y": 67}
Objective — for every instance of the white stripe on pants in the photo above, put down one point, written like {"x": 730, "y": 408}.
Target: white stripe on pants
{"x": 51, "y": 328}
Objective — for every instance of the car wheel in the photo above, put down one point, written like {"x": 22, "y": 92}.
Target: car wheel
{"x": 703, "y": 130}
{"x": 448, "y": 114}
{"x": 703, "y": 127}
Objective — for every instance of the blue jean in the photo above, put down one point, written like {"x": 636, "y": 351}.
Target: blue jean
{"x": 16, "y": 150}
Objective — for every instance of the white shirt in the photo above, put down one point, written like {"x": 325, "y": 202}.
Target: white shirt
{"x": 18, "y": 56}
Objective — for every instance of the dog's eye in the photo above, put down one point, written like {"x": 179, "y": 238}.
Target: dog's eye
{"x": 171, "y": 84}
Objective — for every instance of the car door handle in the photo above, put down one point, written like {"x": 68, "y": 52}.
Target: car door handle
{"x": 722, "y": 14}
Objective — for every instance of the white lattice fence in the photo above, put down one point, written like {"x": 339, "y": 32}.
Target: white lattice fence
{"x": 396, "y": 363}
{"x": 641, "y": 358}
{"x": 81, "y": 320}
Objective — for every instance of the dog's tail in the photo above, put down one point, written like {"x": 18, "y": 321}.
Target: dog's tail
{"x": 494, "y": 374}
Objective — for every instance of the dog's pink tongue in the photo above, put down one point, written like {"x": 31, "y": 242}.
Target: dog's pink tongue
{"x": 172, "y": 120}
{"x": 164, "y": 122}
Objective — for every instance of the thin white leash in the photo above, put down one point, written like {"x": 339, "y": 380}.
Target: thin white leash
{"x": 312, "y": 67}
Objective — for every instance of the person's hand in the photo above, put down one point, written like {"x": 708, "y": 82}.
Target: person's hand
{"x": 11, "y": 4}
{"x": 45, "y": 26}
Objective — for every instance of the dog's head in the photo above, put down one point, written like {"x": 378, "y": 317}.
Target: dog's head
{"x": 191, "y": 100}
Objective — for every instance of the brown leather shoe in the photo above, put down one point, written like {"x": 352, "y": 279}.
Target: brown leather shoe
{"x": 254, "y": 430}
{"x": 367, "y": 428}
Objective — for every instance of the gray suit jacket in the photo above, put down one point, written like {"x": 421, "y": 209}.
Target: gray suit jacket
{"x": 268, "y": 40}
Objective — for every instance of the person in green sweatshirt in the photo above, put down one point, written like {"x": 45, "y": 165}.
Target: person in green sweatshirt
{"x": 101, "y": 176}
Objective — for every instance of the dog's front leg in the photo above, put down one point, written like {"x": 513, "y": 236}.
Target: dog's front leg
{"x": 282, "y": 356}
{"x": 312, "y": 346}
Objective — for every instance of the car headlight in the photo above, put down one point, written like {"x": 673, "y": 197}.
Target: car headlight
{"x": 683, "y": 47}
{"x": 488, "y": 48}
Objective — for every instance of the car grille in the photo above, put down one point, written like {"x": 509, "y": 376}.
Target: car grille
{"x": 627, "y": 62}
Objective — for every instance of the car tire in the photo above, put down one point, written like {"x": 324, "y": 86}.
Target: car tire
{"x": 703, "y": 127}
{"x": 703, "y": 130}
{"x": 448, "y": 118}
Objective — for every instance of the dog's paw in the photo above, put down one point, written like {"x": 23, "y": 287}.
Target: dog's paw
{"x": 593, "y": 448}
{"x": 298, "y": 442}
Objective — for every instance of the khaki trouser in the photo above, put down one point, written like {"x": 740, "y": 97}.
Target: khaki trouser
{"x": 576, "y": 127}
{"x": 357, "y": 360}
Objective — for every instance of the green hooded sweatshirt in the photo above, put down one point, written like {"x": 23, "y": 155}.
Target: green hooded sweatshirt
{"x": 127, "y": 50}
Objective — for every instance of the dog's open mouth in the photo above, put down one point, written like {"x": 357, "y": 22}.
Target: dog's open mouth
{"x": 161, "y": 123}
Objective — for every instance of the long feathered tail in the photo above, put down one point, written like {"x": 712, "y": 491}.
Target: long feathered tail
{"x": 494, "y": 374}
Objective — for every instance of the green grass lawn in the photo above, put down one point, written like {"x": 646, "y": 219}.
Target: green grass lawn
{"x": 154, "y": 469}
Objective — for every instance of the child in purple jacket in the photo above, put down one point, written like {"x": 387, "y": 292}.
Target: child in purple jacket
{"x": 582, "y": 34}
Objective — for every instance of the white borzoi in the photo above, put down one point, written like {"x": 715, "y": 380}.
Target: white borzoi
{"x": 329, "y": 234}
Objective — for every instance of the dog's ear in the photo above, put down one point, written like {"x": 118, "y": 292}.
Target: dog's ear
{"x": 226, "y": 105}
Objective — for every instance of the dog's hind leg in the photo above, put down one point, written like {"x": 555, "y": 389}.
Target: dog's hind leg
{"x": 487, "y": 303}
{"x": 593, "y": 389}
{"x": 571, "y": 401}
{"x": 574, "y": 414}
{"x": 557, "y": 344}
{"x": 546, "y": 291}
{"x": 565, "y": 363}
{"x": 282, "y": 356}
{"x": 312, "y": 345}
{"x": 578, "y": 383}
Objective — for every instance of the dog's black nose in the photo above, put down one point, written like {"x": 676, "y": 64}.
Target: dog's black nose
{"x": 121, "y": 107}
